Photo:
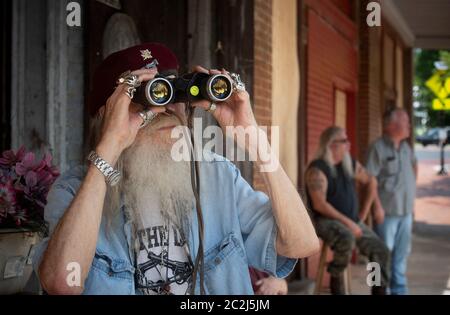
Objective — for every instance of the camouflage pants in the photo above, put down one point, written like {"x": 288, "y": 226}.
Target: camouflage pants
{"x": 342, "y": 241}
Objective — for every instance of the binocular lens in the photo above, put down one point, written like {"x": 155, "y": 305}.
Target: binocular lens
{"x": 160, "y": 92}
{"x": 220, "y": 88}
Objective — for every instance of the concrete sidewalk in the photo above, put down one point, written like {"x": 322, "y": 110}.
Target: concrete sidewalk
{"x": 428, "y": 265}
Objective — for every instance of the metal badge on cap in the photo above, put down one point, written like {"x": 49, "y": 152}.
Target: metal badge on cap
{"x": 146, "y": 54}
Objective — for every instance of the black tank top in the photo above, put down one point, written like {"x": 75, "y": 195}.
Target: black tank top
{"x": 341, "y": 192}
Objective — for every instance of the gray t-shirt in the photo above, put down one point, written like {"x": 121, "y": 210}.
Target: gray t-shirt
{"x": 394, "y": 170}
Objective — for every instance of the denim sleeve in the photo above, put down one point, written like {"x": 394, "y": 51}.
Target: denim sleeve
{"x": 259, "y": 230}
{"x": 58, "y": 200}
{"x": 373, "y": 165}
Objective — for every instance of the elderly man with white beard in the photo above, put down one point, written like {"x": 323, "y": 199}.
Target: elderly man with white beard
{"x": 141, "y": 236}
{"x": 331, "y": 180}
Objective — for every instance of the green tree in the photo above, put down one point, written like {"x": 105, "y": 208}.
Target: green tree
{"x": 445, "y": 56}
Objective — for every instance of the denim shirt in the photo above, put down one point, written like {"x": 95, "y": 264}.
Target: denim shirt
{"x": 239, "y": 231}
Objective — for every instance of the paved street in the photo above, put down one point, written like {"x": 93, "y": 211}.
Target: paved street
{"x": 431, "y": 153}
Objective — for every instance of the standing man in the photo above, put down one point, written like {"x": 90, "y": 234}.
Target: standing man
{"x": 392, "y": 162}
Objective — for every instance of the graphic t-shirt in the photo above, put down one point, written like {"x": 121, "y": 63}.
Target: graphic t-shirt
{"x": 163, "y": 262}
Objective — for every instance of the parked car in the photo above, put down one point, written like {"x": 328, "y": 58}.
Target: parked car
{"x": 431, "y": 136}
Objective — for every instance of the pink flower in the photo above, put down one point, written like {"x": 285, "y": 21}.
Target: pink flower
{"x": 24, "y": 185}
{"x": 46, "y": 166}
{"x": 45, "y": 178}
{"x": 26, "y": 164}
{"x": 31, "y": 179}
{"x": 9, "y": 158}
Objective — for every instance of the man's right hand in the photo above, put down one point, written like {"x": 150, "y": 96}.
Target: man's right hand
{"x": 121, "y": 122}
{"x": 354, "y": 228}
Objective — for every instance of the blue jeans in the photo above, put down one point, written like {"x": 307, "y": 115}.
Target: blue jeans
{"x": 396, "y": 233}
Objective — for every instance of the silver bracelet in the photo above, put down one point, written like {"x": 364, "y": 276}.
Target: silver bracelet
{"x": 112, "y": 176}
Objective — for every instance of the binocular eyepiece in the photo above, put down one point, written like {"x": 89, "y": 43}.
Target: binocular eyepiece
{"x": 188, "y": 88}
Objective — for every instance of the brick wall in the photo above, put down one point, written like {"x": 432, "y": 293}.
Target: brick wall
{"x": 332, "y": 63}
{"x": 262, "y": 88}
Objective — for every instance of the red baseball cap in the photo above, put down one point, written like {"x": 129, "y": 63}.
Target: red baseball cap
{"x": 133, "y": 58}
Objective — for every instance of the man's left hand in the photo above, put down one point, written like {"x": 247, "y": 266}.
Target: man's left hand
{"x": 235, "y": 111}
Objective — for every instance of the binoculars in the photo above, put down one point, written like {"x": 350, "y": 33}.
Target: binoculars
{"x": 187, "y": 88}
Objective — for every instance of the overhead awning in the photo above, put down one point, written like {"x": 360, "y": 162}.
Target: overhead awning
{"x": 421, "y": 23}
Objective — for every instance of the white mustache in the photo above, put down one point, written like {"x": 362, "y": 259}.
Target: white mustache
{"x": 167, "y": 119}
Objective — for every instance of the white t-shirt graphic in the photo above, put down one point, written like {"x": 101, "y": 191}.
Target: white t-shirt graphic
{"x": 163, "y": 263}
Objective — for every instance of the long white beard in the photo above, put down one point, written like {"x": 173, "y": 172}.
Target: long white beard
{"x": 151, "y": 171}
{"x": 148, "y": 170}
{"x": 347, "y": 165}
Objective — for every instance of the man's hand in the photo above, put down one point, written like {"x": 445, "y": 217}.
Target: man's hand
{"x": 354, "y": 228}
{"x": 272, "y": 286}
{"x": 236, "y": 111}
{"x": 121, "y": 121}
